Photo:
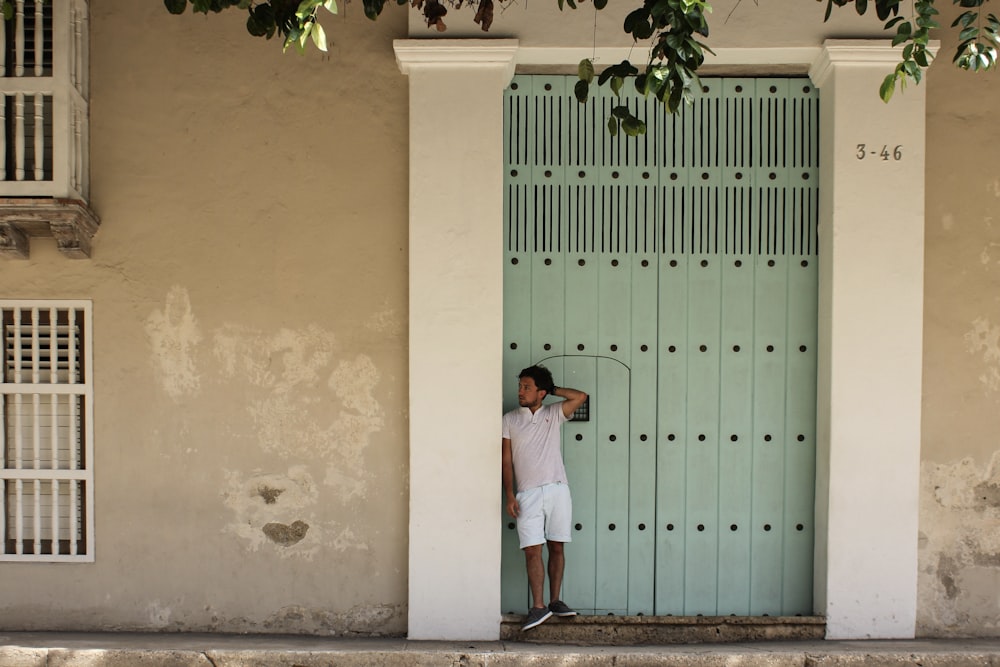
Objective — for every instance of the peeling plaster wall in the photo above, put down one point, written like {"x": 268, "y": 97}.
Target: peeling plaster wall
{"x": 249, "y": 287}
{"x": 959, "y": 567}
{"x": 249, "y": 291}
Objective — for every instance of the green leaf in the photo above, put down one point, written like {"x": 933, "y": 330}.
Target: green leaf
{"x": 616, "y": 85}
{"x": 330, "y": 6}
{"x": 600, "y": 4}
{"x": 581, "y": 91}
{"x": 173, "y": 6}
{"x": 968, "y": 33}
{"x": 373, "y": 8}
{"x": 319, "y": 37}
{"x": 633, "y": 126}
{"x": 613, "y": 127}
{"x": 585, "y": 70}
{"x": 307, "y": 8}
{"x": 887, "y": 88}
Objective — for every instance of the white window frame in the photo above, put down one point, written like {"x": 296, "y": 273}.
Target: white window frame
{"x": 37, "y": 458}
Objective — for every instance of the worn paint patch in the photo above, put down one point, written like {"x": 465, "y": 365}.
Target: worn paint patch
{"x": 286, "y": 535}
{"x": 363, "y": 620}
{"x": 984, "y": 339}
{"x": 158, "y": 614}
{"x": 385, "y": 321}
{"x": 354, "y": 383}
{"x": 959, "y": 578}
{"x": 292, "y": 416}
{"x": 174, "y": 336}
{"x": 294, "y": 499}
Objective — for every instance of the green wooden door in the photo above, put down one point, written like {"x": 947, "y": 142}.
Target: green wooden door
{"x": 673, "y": 277}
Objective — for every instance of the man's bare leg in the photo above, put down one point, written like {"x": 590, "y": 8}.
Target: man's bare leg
{"x": 536, "y": 573}
{"x": 557, "y": 563}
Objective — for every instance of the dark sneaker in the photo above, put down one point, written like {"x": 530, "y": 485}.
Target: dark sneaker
{"x": 560, "y": 608}
{"x": 536, "y": 616}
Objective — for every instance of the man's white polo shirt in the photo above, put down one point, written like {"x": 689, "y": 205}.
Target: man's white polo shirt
{"x": 534, "y": 440}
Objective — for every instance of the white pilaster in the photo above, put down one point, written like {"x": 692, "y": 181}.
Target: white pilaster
{"x": 456, "y": 326}
{"x": 870, "y": 343}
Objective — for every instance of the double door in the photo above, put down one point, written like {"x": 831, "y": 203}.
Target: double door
{"x": 673, "y": 278}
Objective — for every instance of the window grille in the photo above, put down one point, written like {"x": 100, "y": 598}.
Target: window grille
{"x": 46, "y": 432}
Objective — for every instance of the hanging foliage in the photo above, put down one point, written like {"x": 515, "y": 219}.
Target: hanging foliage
{"x": 673, "y": 29}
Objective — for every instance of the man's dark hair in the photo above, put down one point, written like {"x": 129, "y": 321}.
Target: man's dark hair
{"x": 542, "y": 377}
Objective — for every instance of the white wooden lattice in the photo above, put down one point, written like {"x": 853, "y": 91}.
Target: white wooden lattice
{"x": 44, "y": 100}
{"x": 46, "y": 432}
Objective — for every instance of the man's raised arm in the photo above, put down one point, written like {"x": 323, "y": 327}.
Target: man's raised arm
{"x": 574, "y": 398}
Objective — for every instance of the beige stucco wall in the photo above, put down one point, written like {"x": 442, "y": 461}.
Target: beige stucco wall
{"x": 249, "y": 290}
{"x": 250, "y": 306}
{"x": 959, "y": 585}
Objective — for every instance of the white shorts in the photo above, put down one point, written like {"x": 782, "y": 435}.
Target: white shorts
{"x": 546, "y": 513}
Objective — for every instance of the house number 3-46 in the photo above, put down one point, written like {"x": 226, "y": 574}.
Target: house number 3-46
{"x": 885, "y": 154}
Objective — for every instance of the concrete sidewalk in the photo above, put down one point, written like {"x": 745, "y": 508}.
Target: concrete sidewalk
{"x": 39, "y": 649}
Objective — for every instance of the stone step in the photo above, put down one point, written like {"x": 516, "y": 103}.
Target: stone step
{"x": 41, "y": 649}
{"x": 640, "y": 630}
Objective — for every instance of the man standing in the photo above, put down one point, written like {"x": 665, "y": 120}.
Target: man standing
{"x": 542, "y": 505}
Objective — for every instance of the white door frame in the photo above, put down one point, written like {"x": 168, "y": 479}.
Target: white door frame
{"x": 870, "y": 331}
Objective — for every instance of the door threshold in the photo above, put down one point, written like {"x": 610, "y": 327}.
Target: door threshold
{"x": 638, "y": 630}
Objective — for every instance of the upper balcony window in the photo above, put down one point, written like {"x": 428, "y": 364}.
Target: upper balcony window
{"x": 45, "y": 114}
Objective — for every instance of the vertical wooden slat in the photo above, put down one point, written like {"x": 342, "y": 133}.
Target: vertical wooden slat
{"x": 36, "y": 436}
{"x": 54, "y": 426}
{"x": 76, "y": 44}
{"x": 610, "y": 407}
{"x": 671, "y": 459}
{"x": 4, "y": 498}
{"x": 4, "y": 453}
{"x": 75, "y": 317}
{"x": 19, "y": 136}
{"x": 580, "y": 453}
{"x": 3, "y": 123}
{"x": 770, "y": 319}
{"x": 610, "y": 410}
{"x": 39, "y": 45}
{"x": 736, "y": 434}
{"x": 702, "y": 527}
{"x": 643, "y": 431}
{"x": 19, "y": 517}
{"x": 19, "y": 38}
{"x": 39, "y": 132}
{"x": 800, "y": 446}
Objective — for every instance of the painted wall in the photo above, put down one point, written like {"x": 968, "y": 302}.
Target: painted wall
{"x": 249, "y": 289}
{"x": 733, "y": 23}
{"x": 250, "y": 326}
{"x": 959, "y": 585}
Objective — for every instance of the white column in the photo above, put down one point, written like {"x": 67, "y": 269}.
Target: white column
{"x": 456, "y": 326}
{"x": 870, "y": 343}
